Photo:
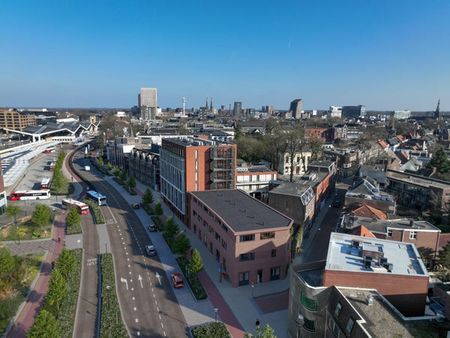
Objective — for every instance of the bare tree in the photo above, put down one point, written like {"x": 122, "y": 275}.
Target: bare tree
{"x": 295, "y": 143}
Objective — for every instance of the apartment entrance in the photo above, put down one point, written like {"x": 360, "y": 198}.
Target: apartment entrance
{"x": 259, "y": 276}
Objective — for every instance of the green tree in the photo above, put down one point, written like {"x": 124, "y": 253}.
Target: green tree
{"x": 116, "y": 172}
{"x": 265, "y": 332}
{"x": 73, "y": 217}
{"x": 42, "y": 215}
{"x": 170, "y": 228}
{"x": 181, "y": 244}
{"x": 158, "y": 209}
{"x": 66, "y": 263}
{"x": 148, "y": 197}
{"x": 56, "y": 292}
{"x": 123, "y": 176}
{"x": 444, "y": 256}
{"x": 131, "y": 182}
{"x": 8, "y": 265}
{"x": 100, "y": 161}
{"x": 440, "y": 161}
{"x": 196, "y": 263}
{"x": 45, "y": 326}
{"x": 109, "y": 166}
{"x": 12, "y": 211}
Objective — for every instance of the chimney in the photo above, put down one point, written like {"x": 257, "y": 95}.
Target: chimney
{"x": 411, "y": 223}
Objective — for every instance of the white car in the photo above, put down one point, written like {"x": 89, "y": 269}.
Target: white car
{"x": 150, "y": 250}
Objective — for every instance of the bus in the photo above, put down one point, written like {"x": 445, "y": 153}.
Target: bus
{"x": 45, "y": 183}
{"x": 30, "y": 195}
{"x": 82, "y": 208}
{"x": 49, "y": 150}
{"x": 96, "y": 197}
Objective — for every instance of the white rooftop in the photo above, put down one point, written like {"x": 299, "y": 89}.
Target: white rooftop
{"x": 345, "y": 254}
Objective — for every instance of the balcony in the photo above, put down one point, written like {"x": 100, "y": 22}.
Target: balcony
{"x": 308, "y": 303}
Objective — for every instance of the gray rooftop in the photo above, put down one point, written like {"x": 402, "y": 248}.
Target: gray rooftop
{"x": 421, "y": 181}
{"x": 382, "y": 226}
{"x": 344, "y": 257}
{"x": 241, "y": 211}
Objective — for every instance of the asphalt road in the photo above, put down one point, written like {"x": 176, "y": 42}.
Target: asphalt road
{"x": 148, "y": 304}
{"x": 86, "y": 318}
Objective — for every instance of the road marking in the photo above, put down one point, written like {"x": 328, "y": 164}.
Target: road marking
{"x": 164, "y": 332}
{"x": 157, "y": 308}
{"x": 154, "y": 296}
{"x": 136, "y": 320}
{"x": 131, "y": 281}
{"x": 133, "y": 298}
{"x": 138, "y": 333}
{"x": 129, "y": 272}
{"x": 140, "y": 280}
{"x": 128, "y": 259}
{"x": 124, "y": 280}
{"x": 129, "y": 265}
{"x": 132, "y": 289}
{"x": 135, "y": 308}
{"x": 160, "y": 317}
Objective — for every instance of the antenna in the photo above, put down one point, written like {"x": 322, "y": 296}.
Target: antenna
{"x": 184, "y": 106}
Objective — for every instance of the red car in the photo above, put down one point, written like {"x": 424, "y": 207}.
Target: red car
{"x": 177, "y": 280}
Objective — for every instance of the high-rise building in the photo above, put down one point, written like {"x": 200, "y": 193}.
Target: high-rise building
{"x": 2, "y": 191}
{"x": 13, "y": 119}
{"x": 237, "y": 109}
{"x": 296, "y": 108}
{"x": 353, "y": 111}
{"x": 148, "y": 103}
{"x": 191, "y": 164}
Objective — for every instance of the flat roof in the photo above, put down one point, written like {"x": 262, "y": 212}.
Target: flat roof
{"x": 417, "y": 180}
{"x": 241, "y": 211}
{"x": 378, "y": 225}
{"x": 342, "y": 256}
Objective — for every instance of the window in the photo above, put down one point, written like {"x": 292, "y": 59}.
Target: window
{"x": 389, "y": 233}
{"x": 247, "y": 238}
{"x": 217, "y": 236}
{"x": 349, "y": 326}
{"x": 195, "y": 213}
{"x": 274, "y": 252}
{"x": 275, "y": 273}
{"x": 249, "y": 256}
{"x": 243, "y": 278}
{"x": 267, "y": 235}
{"x": 413, "y": 235}
{"x": 309, "y": 325}
{"x": 308, "y": 303}
{"x": 337, "y": 309}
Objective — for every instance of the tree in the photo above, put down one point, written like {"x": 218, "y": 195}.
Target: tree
{"x": 295, "y": 143}
{"x": 148, "y": 197}
{"x": 100, "y": 161}
{"x": 315, "y": 144}
{"x": 8, "y": 264}
{"x": 158, "y": 209}
{"x": 275, "y": 146}
{"x": 440, "y": 161}
{"x": 131, "y": 182}
{"x": 444, "y": 256}
{"x": 196, "y": 263}
{"x": 73, "y": 217}
{"x": 66, "y": 262}
{"x": 45, "y": 326}
{"x": 181, "y": 244}
{"x": 109, "y": 166}
{"x": 123, "y": 176}
{"x": 12, "y": 211}
{"x": 56, "y": 292}
{"x": 265, "y": 332}
{"x": 42, "y": 215}
{"x": 170, "y": 228}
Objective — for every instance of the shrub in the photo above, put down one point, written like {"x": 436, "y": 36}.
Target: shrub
{"x": 182, "y": 244}
{"x": 158, "y": 209}
{"x": 196, "y": 263}
{"x": 216, "y": 330}
{"x": 73, "y": 221}
{"x": 42, "y": 215}
{"x": 45, "y": 325}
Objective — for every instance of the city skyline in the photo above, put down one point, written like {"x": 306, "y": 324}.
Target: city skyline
{"x": 384, "y": 55}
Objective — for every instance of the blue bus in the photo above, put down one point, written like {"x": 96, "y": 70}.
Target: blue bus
{"x": 96, "y": 197}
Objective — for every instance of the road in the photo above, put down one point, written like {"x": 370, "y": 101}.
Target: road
{"x": 149, "y": 307}
{"x": 86, "y": 317}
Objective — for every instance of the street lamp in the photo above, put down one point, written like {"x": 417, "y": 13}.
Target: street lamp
{"x": 216, "y": 310}
{"x": 253, "y": 289}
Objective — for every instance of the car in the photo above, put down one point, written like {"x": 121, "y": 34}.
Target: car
{"x": 150, "y": 250}
{"x": 177, "y": 280}
{"x": 135, "y": 205}
{"x": 152, "y": 228}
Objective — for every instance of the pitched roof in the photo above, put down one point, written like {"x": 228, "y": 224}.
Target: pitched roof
{"x": 367, "y": 211}
{"x": 362, "y": 231}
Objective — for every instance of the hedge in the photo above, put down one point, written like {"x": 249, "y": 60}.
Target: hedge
{"x": 95, "y": 211}
{"x": 209, "y": 330}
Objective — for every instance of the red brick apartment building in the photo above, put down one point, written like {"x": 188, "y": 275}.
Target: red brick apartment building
{"x": 249, "y": 239}
{"x": 191, "y": 164}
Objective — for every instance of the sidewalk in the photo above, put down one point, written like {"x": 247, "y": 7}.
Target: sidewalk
{"x": 233, "y": 302}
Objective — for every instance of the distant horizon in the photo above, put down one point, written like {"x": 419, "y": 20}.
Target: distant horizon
{"x": 392, "y": 55}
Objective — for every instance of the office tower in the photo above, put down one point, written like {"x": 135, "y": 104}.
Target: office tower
{"x": 2, "y": 191}
{"x": 353, "y": 112}
{"x": 16, "y": 120}
{"x": 237, "y": 109}
{"x": 296, "y": 108}
{"x": 148, "y": 103}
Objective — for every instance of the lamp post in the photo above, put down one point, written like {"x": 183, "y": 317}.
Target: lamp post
{"x": 216, "y": 310}
{"x": 253, "y": 289}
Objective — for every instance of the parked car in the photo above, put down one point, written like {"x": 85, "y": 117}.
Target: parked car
{"x": 152, "y": 228}
{"x": 150, "y": 250}
{"x": 177, "y": 280}
{"x": 135, "y": 205}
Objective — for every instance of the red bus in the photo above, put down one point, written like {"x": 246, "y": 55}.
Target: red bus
{"x": 30, "y": 195}
{"x": 82, "y": 208}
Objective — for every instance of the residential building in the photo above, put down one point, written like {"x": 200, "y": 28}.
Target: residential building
{"x": 255, "y": 177}
{"x": 13, "y": 119}
{"x": 148, "y": 103}
{"x": 295, "y": 109}
{"x": 301, "y": 160}
{"x": 394, "y": 269}
{"x": 367, "y": 191}
{"x": 401, "y": 114}
{"x": 421, "y": 233}
{"x": 249, "y": 239}
{"x": 3, "y": 201}
{"x": 335, "y": 112}
{"x": 143, "y": 164}
{"x": 193, "y": 164}
{"x": 118, "y": 151}
{"x": 323, "y": 134}
{"x": 419, "y": 192}
{"x": 296, "y": 200}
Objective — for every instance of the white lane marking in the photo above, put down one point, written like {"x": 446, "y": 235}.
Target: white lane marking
{"x": 140, "y": 280}
{"x": 129, "y": 265}
{"x": 124, "y": 280}
{"x": 129, "y": 272}
{"x": 160, "y": 317}
{"x": 133, "y": 298}
{"x": 138, "y": 333}
{"x": 135, "y": 308}
{"x": 136, "y": 320}
{"x": 157, "y": 308}
{"x": 164, "y": 333}
{"x": 132, "y": 289}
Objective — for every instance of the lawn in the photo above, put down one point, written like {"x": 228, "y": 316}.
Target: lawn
{"x": 111, "y": 325}
{"x": 11, "y": 299}
{"x": 25, "y": 231}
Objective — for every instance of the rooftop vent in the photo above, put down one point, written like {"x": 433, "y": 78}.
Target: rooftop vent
{"x": 369, "y": 300}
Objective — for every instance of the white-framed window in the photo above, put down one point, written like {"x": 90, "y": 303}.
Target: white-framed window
{"x": 412, "y": 235}
{"x": 389, "y": 233}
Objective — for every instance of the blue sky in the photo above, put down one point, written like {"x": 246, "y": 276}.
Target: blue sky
{"x": 382, "y": 53}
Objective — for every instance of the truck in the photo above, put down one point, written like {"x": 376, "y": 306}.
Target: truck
{"x": 87, "y": 168}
